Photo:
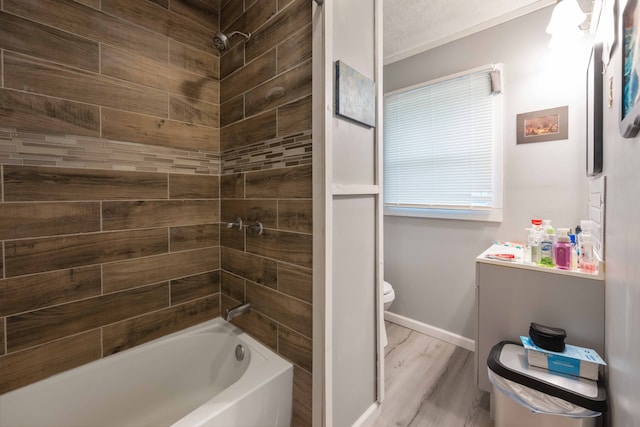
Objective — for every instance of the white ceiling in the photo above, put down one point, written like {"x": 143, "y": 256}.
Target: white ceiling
{"x": 413, "y": 26}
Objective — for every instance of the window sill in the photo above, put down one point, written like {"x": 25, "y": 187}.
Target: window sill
{"x": 490, "y": 215}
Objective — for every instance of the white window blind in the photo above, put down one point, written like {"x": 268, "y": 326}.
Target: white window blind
{"x": 440, "y": 145}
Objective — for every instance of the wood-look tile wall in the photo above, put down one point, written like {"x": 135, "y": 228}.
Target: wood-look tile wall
{"x": 96, "y": 262}
{"x": 265, "y": 96}
{"x": 138, "y": 71}
{"x": 96, "y": 258}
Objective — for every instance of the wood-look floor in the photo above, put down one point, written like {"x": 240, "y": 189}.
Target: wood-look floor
{"x": 429, "y": 382}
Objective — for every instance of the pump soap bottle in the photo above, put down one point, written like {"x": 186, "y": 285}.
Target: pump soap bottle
{"x": 562, "y": 250}
{"x": 546, "y": 244}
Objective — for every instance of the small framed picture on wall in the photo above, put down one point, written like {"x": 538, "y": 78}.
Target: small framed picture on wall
{"x": 543, "y": 125}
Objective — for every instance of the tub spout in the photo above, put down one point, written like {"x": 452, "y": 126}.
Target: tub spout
{"x": 230, "y": 313}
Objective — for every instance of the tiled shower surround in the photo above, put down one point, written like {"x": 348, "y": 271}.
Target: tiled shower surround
{"x": 265, "y": 141}
{"x": 127, "y": 142}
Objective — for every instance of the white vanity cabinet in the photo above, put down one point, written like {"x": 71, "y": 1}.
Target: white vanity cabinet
{"x": 509, "y": 296}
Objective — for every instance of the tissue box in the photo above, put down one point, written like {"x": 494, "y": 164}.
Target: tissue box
{"x": 577, "y": 361}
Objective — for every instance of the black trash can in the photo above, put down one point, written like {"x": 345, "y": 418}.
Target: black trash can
{"x": 526, "y": 396}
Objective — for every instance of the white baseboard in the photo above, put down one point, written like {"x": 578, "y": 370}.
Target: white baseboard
{"x": 433, "y": 331}
{"x": 367, "y": 418}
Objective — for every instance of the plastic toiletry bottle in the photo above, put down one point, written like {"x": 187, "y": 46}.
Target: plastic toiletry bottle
{"x": 526, "y": 254}
{"x": 546, "y": 244}
{"x": 574, "y": 252}
{"x": 562, "y": 250}
{"x": 577, "y": 246}
{"x": 548, "y": 229}
{"x": 532, "y": 248}
{"x": 537, "y": 224}
{"x": 534, "y": 240}
{"x": 588, "y": 263}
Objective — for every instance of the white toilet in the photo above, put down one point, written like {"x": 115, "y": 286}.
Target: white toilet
{"x": 388, "y": 296}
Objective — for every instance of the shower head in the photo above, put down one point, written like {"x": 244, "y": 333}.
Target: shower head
{"x": 221, "y": 40}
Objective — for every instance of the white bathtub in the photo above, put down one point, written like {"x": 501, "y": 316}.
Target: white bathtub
{"x": 187, "y": 379}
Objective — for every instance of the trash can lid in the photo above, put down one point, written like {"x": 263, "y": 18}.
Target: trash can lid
{"x": 509, "y": 360}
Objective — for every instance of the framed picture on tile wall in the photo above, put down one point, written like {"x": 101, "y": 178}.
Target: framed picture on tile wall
{"x": 543, "y": 125}
{"x": 355, "y": 95}
{"x": 630, "y": 50}
{"x": 594, "y": 111}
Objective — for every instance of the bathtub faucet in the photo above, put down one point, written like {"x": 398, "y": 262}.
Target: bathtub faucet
{"x": 230, "y": 313}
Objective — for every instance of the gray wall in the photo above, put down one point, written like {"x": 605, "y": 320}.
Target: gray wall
{"x": 622, "y": 294}
{"x": 430, "y": 262}
{"x": 353, "y": 231}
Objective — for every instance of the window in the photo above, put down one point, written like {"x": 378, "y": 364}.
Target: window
{"x": 443, "y": 149}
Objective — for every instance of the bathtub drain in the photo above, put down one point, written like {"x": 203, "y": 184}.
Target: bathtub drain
{"x": 239, "y": 352}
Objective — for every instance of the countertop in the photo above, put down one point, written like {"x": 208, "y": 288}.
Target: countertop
{"x": 517, "y": 250}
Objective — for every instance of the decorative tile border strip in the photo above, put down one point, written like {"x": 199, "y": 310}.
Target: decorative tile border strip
{"x": 292, "y": 150}
{"x": 34, "y": 149}
{"x": 23, "y": 148}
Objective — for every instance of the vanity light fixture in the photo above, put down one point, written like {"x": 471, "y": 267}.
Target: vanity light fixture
{"x": 564, "y": 25}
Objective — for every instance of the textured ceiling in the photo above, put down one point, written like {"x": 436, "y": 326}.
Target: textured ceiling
{"x": 413, "y": 26}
